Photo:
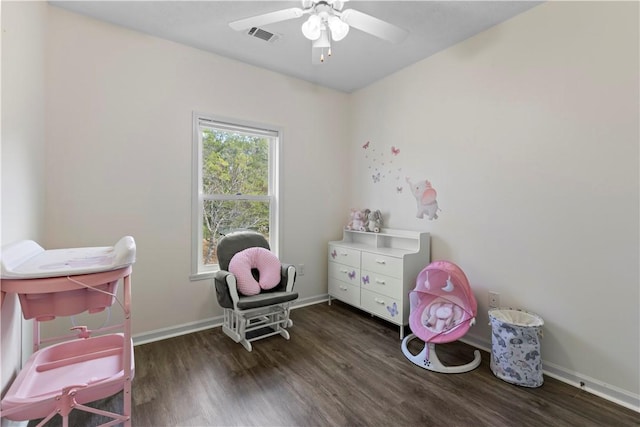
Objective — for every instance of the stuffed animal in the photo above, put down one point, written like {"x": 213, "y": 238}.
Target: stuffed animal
{"x": 352, "y": 218}
{"x": 358, "y": 220}
{"x": 443, "y": 316}
{"x": 374, "y": 221}
{"x": 364, "y": 218}
{"x": 426, "y": 199}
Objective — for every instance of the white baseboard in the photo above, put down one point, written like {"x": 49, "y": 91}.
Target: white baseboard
{"x": 176, "y": 331}
{"x": 583, "y": 382}
{"x": 310, "y": 301}
{"x": 201, "y": 325}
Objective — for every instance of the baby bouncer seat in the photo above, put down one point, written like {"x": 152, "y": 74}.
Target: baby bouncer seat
{"x": 254, "y": 288}
{"x": 442, "y": 308}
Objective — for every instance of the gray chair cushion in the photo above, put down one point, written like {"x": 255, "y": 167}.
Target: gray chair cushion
{"x": 265, "y": 299}
{"x": 224, "y": 297}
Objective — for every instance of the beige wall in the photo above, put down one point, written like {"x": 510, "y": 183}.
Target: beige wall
{"x": 529, "y": 133}
{"x": 119, "y": 129}
{"x": 23, "y": 29}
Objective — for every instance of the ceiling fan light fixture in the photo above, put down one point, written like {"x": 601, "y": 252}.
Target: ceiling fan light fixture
{"x": 311, "y": 28}
{"x": 323, "y": 40}
{"x": 327, "y": 21}
{"x": 339, "y": 28}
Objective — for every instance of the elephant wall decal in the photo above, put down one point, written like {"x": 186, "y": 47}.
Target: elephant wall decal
{"x": 425, "y": 197}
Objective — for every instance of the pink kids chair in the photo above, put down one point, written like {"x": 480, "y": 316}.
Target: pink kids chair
{"x": 442, "y": 308}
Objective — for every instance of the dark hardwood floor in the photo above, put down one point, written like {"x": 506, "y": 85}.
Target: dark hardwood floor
{"x": 340, "y": 368}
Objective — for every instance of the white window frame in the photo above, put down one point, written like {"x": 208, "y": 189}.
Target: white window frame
{"x": 200, "y": 271}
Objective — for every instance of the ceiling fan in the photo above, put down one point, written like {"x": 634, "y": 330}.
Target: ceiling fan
{"x": 327, "y": 21}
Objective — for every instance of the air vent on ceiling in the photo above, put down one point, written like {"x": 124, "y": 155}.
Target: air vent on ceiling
{"x": 262, "y": 34}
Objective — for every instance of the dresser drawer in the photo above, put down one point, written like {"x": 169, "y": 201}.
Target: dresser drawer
{"x": 346, "y": 273}
{"x": 385, "y": 285}
{"x": 382, "y": 306}
{"x": 344, "y": 255}
{"x": 383, "y": 264}
{"x": 345, "y": 292}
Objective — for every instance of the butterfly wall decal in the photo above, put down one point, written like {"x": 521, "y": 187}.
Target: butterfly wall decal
{"x": 365, "y": 279}
{"x": 334, "y": 254}
{"x": 352, "y": 275}
{"x": 393, "y": 309}
{"x": 380, "y": 164}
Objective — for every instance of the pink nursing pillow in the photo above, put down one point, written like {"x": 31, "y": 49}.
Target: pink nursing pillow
{"x": 263, "y": 260}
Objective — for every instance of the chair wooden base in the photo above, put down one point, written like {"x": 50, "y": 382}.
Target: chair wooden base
{"x": 250, "y": 325}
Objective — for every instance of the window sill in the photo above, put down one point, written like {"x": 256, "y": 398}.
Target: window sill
{"x": 208, "y": 275}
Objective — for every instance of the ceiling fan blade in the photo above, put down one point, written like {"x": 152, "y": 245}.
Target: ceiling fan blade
{"x": 267, "y": 18}
{"x": 373, "y": 26}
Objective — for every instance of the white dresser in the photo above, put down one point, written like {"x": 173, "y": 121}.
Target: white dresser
{"x": 376, "y": 271}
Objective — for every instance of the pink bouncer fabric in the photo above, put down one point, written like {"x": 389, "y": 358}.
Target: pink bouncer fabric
{"x": 261, "y": 259}
{"x": 443, "y": 306}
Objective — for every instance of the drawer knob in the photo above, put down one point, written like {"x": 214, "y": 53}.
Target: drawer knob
{"x": 380, "y": 261}
{"x": 344, "y": 288}
{"x": 380, "y": 282}
{"x": 379, "y": 301}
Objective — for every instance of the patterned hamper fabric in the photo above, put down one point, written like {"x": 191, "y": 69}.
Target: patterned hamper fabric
{"x": 515, "y": 347}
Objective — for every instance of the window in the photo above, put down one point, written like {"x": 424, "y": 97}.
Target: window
{"x": 235, "y": 185}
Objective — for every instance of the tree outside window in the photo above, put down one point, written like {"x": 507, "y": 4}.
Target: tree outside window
{"x": 235, "y": 185}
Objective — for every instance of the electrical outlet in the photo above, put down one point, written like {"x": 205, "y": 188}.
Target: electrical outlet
{"x": 494, "y": 300}
{"x": 300, "y": 270}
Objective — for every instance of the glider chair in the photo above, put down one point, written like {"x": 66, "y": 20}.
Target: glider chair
{"x": 254, "y": 288}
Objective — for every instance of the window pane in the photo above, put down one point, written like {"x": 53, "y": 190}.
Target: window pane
{"x": 234, "y": 163}
{"x": 235, "y": 185}
{"x": 223, "y": 216}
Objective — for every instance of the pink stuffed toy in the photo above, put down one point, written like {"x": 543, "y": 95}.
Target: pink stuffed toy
{"x": 357, "y": 220}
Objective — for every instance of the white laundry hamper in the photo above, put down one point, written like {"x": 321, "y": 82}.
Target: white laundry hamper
{"x": 515, "y": 346}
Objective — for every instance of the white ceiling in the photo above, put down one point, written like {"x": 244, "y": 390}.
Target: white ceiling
{"x": 357, "y": 61}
